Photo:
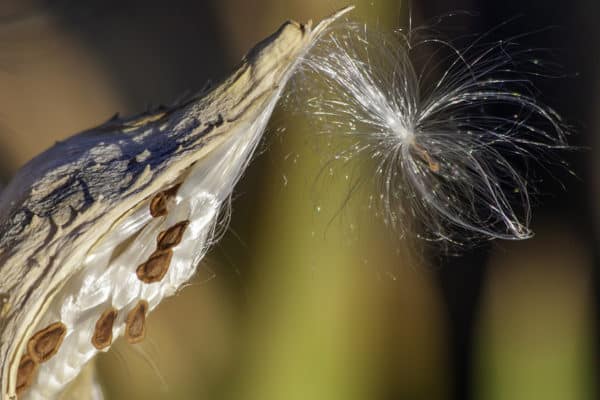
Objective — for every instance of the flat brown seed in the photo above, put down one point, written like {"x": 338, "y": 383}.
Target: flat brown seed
{"x": 156, "y": 267}
{"x": 172, "y": 236}
{"x": 158, "y": 205}
{"x": 135, "y": 329}
{"x": 102, "y": 337}
{"x": 26, "y": 373}
{"x": 45, "y": 343}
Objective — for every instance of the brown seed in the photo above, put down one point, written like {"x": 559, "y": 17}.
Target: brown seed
{"x": 433, "y": 165}
{"x": 135, "y": 329}
{"x": 156, "y": 267}
{"x": 102, "y": 337}
{"x": 44, "y": 344}
{"x": 158, "y": 204}
{"x": 172, "y": 236}
{"x": 26, "y": 373}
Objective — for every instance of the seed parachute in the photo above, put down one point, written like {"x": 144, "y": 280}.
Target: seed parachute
{"x": 451, "y": 130}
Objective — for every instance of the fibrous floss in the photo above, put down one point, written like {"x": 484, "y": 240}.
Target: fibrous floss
{"x": 446, "y": 127}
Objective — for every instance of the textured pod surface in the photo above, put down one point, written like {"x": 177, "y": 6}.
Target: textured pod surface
{"x": 79, "y": 220}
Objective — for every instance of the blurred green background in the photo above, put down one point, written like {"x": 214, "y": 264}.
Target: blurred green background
{"x": 309, "y": 296}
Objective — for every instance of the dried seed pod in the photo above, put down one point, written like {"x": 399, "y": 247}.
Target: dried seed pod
{"x": 99, "y": 184}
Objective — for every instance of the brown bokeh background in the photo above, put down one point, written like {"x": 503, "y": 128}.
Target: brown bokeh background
{"x": 307, "y": 296}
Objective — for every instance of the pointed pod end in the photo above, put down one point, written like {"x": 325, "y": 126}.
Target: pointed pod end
{"x": 321, "y": 26}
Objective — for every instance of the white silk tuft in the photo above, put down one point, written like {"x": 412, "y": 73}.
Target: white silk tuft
{"x": 450, "y": 129}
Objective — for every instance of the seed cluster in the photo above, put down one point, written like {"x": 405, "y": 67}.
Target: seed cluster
{"x": 44, "y": 344}
{"x": 157, "y": 265}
